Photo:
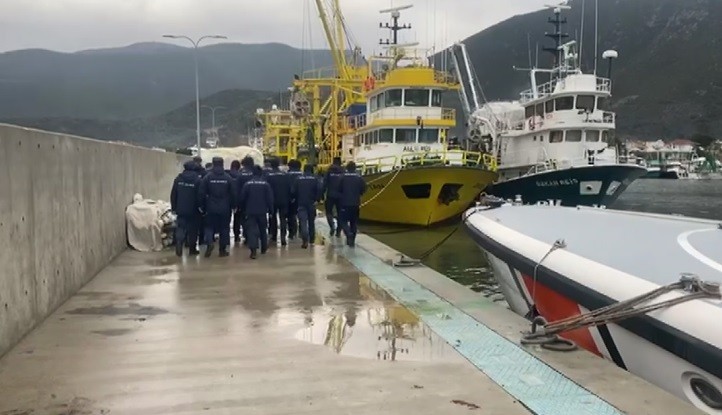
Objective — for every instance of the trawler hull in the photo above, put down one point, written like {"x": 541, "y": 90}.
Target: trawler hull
{"x": 422, "y": 195}
{"x": 585, "y": 185}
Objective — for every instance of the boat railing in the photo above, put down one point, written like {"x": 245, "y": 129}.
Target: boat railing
{"x": 425, "y": 159}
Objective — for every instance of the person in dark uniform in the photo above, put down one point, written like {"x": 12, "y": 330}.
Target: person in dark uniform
{"x": 217, "y": 198}
{"x": 307, "y": 191}
{"x": 184, "y": 202}
{"x": 294, "y": 172}
{"x": 331, "y": 193}
{"x": 244, "y": 176}
{"x": 256, "y": 203}
{"x": 267, "y": 167}
{"x": 200, "y": 218}
{"x": 235, "y": 173}
{"x": 281, "y": 186}
{"x": 351, "y": 188}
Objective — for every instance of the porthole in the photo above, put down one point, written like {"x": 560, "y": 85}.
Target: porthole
{"x": 706, "y": 392}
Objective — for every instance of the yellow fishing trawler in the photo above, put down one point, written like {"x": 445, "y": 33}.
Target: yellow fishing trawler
{"x": 386, "y": 114}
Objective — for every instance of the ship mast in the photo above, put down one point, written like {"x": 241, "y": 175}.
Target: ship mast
{"x": 394, "y": 27}
{"x": 559, "y": 37}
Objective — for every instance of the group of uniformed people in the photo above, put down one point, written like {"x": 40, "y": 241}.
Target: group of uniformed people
{"x": 261, "y": 202}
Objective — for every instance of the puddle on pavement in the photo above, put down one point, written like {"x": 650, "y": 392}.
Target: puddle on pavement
{"x": 374, "y": 328}
{"x": 133, "y": 309}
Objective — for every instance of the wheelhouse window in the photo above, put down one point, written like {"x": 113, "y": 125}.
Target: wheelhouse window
{"x": 405, "y": 135}
{"x": 374, "y": 101}
{"x": 540, "y": 110}
{"x": 564, "y": 103}
{"x": 556, "y": 136}
{"x": 549, "y": 106}
{"x": 592, "y": 136}
{"x": 574, "y": 136}
{"x": 585, "y": 102}
{"x": 436, "y": 98}
{"x": 606, "y": 136}
{"x": 381, "y": 100}
{"x": 416, "y": 98}
{"x": 386, "y": 135}
{"x": 529, "y": 112}
{"x": 393, "y": 98}
{"x": 603, "y": 103}
{"x": 428, "y": 135}
{"x": 374, "y": 137}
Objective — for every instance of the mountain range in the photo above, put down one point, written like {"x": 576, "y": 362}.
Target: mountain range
{"x": 667, "y": 78}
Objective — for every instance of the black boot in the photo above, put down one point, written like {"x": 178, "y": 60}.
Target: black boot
{"x": 304, "y": 245}
{"x": 193, "y": 251}
{"x": 224, "y": 252}
{"x": 209, "y": 250}
{"x": 284, "y": 242}
{"x": 253, "y": 254}
{"x": 179, "y": 249}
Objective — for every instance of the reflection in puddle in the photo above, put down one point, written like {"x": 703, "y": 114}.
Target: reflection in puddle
{"x": 378, "y": 328}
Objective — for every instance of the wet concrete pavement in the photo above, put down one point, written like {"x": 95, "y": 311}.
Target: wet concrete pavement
{"x": 294, "y": 332}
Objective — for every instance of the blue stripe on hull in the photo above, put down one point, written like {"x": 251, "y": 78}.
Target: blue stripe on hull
{"x": 569, "y": 185}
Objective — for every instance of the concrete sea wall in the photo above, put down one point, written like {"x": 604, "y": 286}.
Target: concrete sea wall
{"x": 62, "y": 216}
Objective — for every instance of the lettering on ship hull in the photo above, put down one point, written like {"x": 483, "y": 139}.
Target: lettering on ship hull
{"x": 557, "y": 183}
{"x": 415, "y": 149}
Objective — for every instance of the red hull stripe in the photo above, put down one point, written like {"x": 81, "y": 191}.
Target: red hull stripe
{"x": 553, "y": 306}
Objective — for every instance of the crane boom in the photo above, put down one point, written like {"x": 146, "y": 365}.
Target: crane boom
{"x": 334, "y": 35}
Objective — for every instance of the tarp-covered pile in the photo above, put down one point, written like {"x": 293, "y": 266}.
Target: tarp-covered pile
{"x": 150, "y": 224}
{"x": 232, "y": 153}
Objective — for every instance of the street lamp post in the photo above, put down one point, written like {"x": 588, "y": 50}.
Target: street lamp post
{"x": 198, "y": 98}
{"x": 213, "y": 113}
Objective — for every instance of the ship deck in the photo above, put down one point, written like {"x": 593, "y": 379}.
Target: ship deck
{"x": 656, "y": 248}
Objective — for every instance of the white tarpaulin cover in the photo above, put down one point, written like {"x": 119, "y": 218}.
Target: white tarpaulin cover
{"x": 232, "y": 153}
{"x": 145, "y": 221}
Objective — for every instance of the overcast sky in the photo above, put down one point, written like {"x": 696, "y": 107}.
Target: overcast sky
{"x": 71, "y": 25}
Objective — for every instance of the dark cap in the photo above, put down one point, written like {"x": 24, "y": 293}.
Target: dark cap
{"x": 247, "y": 162}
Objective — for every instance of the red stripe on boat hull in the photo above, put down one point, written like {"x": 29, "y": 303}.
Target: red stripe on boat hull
{"x": 554, "y": 306}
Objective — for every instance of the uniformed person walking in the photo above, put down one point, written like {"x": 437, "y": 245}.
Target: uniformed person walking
{"x": 281, "y": 186}
{"x": 294, "y": 171}
{"x": 244, "y": 176}
{"x": 217, "y": 198}
{"x": 307, "y": 191}
{"x": 331, "y": 193}
{"x": 256, "y": 203}
{"x": 235, "y": 173}
{"x": 184, "y": 202}
{"x": 351, "y": 188}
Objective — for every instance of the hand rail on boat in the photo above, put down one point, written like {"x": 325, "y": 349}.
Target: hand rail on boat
{"x": 430, "y": 158}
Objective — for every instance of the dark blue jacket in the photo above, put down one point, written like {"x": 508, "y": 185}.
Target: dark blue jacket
{"x": 307, "y": 190}
{"x": 233, "y": 173}
{"x": 256, "y": 197}
{"x": 216, "y": 195}
{"x": 351, "y": 188}
{"x": 281, "y": 185}
{"x": 332, "y": 181}
{"x": 292, "y": 176}
{"x": 244, "y": 175}
{"x": 184, "y": 195}
{"x": 201, "y": 170}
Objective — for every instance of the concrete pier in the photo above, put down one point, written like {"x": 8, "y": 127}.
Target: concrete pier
{"x": 328, "y": 330}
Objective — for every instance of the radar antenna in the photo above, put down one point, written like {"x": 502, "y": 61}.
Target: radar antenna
{"x": 394, "y": 26}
